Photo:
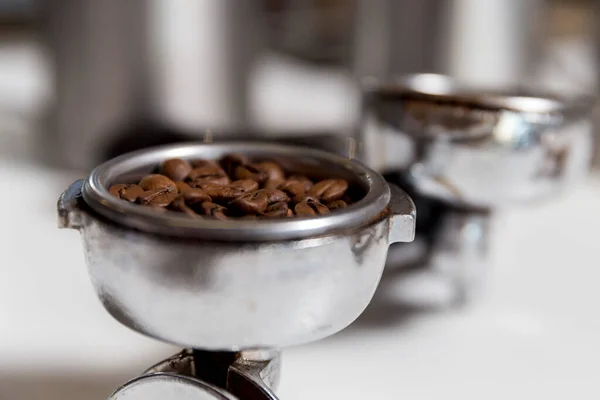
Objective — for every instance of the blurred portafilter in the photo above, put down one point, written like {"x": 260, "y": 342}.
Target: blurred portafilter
{"x": 463, "y": 152}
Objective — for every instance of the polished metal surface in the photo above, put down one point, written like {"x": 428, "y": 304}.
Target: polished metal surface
{"x": 460, "y": 253}
{"x": 251, "y": 375}
{"x": 475, "y": 147}
{"x": 162, "y": 386}
{"x": 133, "y": 166}
{"x": 244, "y": 294}
{"x": 248, "y": 375}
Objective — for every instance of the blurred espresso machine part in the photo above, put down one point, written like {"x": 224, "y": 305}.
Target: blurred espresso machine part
{"x": 137, "y": 73}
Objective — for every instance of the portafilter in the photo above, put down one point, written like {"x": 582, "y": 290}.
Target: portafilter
{"x": 461, "y": 152}
{"x": 232, "y": 292}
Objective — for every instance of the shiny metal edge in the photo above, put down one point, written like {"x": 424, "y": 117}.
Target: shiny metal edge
{"x": 202, "y": 390}
{"x": 445, "y": 89}
{"x": 367, "y": 209}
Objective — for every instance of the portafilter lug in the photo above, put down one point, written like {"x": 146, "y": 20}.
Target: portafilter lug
{"x": 70, "y": 214}
{"x": 403, "y": 216}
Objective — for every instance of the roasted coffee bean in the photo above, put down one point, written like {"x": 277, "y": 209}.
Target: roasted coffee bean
{"x": 182, "y": 186}
{"x": 231, "y": 161}
{"x": 215, "y": 180}
{"x": 302, "y": 198}
{"x": 251, "y": 203}
{"x": 208, "y": 173}
{"x": 334, "y": 205}
{"x": 308, "y": 208}
{"x": 248, "y": 185}
{"x": 157, "y": 181}
{"x": 301, "y": 178}
{"x": 161, "y": 197}
{"x": 276, "y": 210}
{"x": 220, "y": 193}
{"x": 126, "y": 192}
{"x": 329, "y": 189}
{"x": 115, "y": 190}
{"x": 214, "y": 210}
{"x": 273, "y": 183}
{"x": 250, "y": 172}
{"x": 273, "y": 170}
{"x": 259, "y": 190}
{"x": 275, "y": 195}
{"x": 176, "y": 169}
{"x": 195, "y": 195}
{"x": 205, "y": 163}
{"x": 292, "y": 188}
{"x": 179, "y": 205}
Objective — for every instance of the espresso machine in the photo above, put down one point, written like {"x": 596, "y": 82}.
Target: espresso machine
{"x": 233, "y": 292}
{"x": 142, "y": 73}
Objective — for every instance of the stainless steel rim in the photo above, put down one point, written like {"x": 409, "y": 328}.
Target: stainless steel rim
{"x": 444, "y": 89}
{"x": 96, "y": 195}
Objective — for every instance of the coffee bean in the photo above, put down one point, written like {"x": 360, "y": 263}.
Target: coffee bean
{"x": 161, "y": 197}
{"x": 176, "y": 169}
{"x": 205, "y": 163}
{"x": 157, "y": 181}
{"x": 182, "y": 186}
{"x": 195, "y": 195}
{"x": 115, "y": 190}
{"x": 273, "y": 183}
{"x": 179, "y": 205}
{"x": 220, "y": 193}
{"x": 301, "y": 178}
{"x": 273, "y": 170}
{"x": 334, "y": 205}
{"x": 231, "y": 161}
{"x": 208, "y": 173}
{"x": 251, "y": 203}
{"x": 126, "y": 192}
{"x": 214, "y": 210}
{"x": 276, "y": 210}
{"x": 250, "y": 172}
{"x": 217, "y": 180}
{"x": 303, "y": 198}
{"x": 329, "y": 189}
{"x": 248, "y": 185}
{"x": 259, "y": 190}
{"x": 274, "y": 195}
{"x": 309, "y": 208}
{"x": 292, "y": 188}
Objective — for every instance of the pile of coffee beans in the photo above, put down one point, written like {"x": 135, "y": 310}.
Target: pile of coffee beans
{"x": 234, "y": 187}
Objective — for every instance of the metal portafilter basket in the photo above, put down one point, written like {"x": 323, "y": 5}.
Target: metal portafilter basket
{"x": 232, "y": 292}
{"x": 461, "y": 153}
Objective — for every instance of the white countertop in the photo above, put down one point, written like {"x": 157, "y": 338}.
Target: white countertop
{"x": 534, "y": 335}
